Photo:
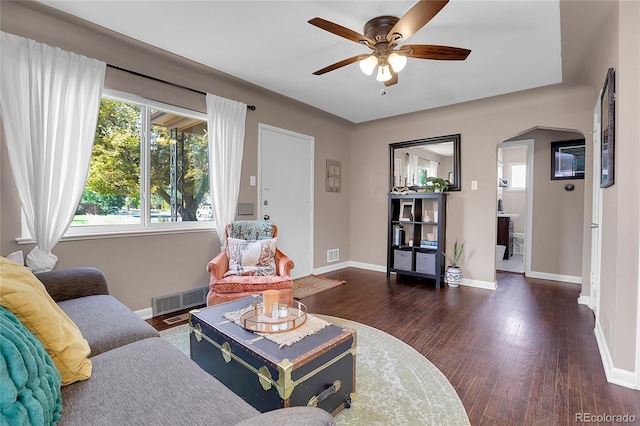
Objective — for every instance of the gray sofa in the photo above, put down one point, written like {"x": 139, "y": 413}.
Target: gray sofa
{"x": 140, "y": 379}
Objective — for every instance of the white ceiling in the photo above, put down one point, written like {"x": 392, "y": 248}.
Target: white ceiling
{"x": 515, "y": 45}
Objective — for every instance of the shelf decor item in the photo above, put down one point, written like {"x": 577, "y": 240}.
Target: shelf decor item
{"x": 406, "y": 211}
{"x": 453, "y": 275}
{"x": 437, "y": 184}
{"x": 253, "y": 317}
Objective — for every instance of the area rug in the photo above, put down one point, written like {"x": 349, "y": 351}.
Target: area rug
{"x": 312, "y": 284}
{"x": 395, "y": 384}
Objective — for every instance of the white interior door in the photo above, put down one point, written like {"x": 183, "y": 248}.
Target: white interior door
{"x": 596, "y": 216}
{"x": 286, "y": 192}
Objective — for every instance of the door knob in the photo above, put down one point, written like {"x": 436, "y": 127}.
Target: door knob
{"x": 266, "y": 217}
{"x": 595, "y": 226}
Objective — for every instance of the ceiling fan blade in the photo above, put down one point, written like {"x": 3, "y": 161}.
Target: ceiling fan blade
{"x": 341, "y": 31}
{"x": 416, "y": 18}
{"x": 393, "y": 80}
{"x": 337, "y": 65}
{"x": 438, "y": 53}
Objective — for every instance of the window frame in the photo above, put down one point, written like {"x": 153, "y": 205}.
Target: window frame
{"x": 145, "y": 227}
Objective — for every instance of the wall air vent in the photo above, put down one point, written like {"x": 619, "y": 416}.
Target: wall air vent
{"x": 179, "y": 301}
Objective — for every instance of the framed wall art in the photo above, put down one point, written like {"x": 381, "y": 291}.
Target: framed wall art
{"x": 607, "y": 130}
{"x": 334, "y": 171}
{"x": 567, "y": 159}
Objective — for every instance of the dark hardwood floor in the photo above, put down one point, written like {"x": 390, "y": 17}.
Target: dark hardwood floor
{"x": 159, "y": 324}
{"x": 523, "y": 354}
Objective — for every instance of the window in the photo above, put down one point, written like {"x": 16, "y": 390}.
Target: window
{"x": 517, "y": 176}
{"x": 149, "y": 170}
{"x": 423, "y": 174}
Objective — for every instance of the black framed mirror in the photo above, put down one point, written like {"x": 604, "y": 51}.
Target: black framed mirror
{"x": 411, "y": 162}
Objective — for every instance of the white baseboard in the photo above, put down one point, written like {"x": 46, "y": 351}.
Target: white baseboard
{"x": 487, "y": 285}
{"x": 330, "y": 268}
{"x": 350, "y": 264}
{"x": 584, "y": 300}
{"x": 615, "y": 375}
{"x": 555, "y": 277}
{"x": 368, "y": 266}
{"x": 145, "y": 313}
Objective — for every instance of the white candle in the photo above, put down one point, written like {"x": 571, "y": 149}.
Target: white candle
{"x": 283, "y": 310}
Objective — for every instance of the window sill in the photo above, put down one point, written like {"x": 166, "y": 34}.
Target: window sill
{"x": 120, "y": 234}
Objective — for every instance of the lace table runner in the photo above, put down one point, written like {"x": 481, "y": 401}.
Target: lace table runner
{"x": 286, "y": 338}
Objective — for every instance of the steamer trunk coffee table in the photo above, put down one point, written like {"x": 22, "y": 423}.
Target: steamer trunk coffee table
{"x": 319, "y": 370}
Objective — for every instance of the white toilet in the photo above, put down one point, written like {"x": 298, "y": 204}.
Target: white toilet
{"x": 518, "y": 243}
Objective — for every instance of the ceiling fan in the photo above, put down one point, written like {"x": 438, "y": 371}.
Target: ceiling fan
{"x": 384, "y": 33}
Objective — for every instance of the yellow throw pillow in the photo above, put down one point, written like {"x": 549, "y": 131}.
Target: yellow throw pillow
{"x": 24, "y": 295}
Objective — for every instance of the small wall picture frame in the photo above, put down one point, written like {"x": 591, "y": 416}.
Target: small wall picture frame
{"x": 607, "y": 130}
{"x": 333, "y": 181}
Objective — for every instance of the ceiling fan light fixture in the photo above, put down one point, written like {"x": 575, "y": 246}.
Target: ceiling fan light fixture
{"x": 384, "y": 74}
{"x": 383, "y": 34}
{"x": 397, "y": 62}
{"x": 368, "y": 64}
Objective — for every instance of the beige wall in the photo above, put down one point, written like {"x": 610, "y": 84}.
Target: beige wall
{"x": 139, "y": 268}
{"x": 620, "y": 227}
{"x": 557, "y": 220}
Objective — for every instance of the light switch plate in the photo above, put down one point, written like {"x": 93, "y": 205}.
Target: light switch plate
{"x": 252, "y": 180}
{"x": 474, "y": 185}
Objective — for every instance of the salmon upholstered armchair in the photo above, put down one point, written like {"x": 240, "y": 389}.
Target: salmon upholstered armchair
{"x": 250, "y": 264}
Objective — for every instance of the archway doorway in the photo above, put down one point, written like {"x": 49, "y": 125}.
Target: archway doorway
{"x": 549, "y": 229}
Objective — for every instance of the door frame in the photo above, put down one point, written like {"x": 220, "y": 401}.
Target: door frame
{"x": 528, "y": 222}
{"x": 596, "y": 218}
{"x": 311, "y": 140}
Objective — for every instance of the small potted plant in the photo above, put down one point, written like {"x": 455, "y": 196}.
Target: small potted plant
{"x": 453, "y": 275}
{"x": 436, "y": 184}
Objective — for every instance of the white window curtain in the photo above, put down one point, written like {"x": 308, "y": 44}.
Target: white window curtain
{"x": 414, "y": 173}
{"x": 226, "y": 121}
{"x": 433, "y": 168}
{"x": 49, "y": 102}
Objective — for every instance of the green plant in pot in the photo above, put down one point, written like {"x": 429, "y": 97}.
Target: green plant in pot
{"x": 437, "y": 184}
{"x": 453, "y": 275}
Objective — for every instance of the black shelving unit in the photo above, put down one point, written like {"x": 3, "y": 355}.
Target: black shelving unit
{"x": 419, "y": 214}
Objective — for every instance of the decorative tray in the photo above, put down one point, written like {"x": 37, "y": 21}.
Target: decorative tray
{"x": 255, "y": 319}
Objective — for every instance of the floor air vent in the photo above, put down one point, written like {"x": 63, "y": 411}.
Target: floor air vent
{"x": 178, "y": 301}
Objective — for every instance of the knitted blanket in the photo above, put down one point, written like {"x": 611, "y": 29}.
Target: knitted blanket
{"x": 29, "y": 381}
{"x": 251, "y": 230}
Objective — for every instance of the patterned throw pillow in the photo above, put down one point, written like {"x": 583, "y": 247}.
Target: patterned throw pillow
{"x": 251, "y": 257}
